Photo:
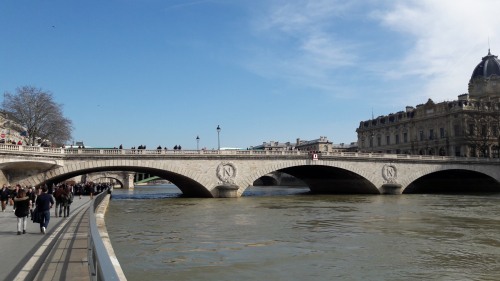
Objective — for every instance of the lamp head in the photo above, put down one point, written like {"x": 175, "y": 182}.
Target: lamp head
{"x": 218, "y": 128}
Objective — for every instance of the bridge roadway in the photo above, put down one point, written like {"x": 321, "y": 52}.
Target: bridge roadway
{"x": 213, "y": 173}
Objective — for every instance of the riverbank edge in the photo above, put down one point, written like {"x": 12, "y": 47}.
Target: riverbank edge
{"x": 103, "y": 232}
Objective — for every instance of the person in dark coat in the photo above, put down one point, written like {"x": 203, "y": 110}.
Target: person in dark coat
{"x": 4, "y": 196}
{"x": 23, "y": 205}
{"x": 44, "y": 203}
{"x": 57, "y": 196}
{"x": 67, "y": 199}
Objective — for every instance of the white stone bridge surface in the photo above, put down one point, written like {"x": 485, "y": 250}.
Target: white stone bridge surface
{"x": 213, "y": 173}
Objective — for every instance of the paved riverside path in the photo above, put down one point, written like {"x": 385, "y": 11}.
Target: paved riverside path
{"x": 17, "y": 250}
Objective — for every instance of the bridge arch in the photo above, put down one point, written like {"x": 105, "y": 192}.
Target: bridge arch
{"x": 322, "y": 176}
{"x": 266, "y": 180}
{"x": 188, "y": 182}
{"x": 452, "y": 178}
{"x": 94, "y": 179}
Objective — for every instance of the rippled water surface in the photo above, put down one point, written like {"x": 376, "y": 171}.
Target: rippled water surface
{"x": 280, "y": 233}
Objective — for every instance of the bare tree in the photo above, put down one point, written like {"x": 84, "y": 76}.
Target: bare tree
{"x": 37, "y": 111}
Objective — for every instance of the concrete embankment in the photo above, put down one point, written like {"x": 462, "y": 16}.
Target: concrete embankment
{"x": 103, "y": 232}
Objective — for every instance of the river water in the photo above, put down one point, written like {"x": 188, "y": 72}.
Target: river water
{"x": 280, "y": 233}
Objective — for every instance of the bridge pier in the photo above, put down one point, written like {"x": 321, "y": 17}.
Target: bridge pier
{"x": 128, "y": 180}
{"x": 228, "y": 191}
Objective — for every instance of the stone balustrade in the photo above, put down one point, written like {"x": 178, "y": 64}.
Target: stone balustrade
{"x": 239, "y": 153}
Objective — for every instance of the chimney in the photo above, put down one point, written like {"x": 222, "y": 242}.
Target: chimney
{"x": 409, "y": 108}
{"x": 298, "y": 141}
{"x": 272, "y": 143}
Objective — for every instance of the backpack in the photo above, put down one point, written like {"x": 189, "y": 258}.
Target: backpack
{"x": 67, "y": 198}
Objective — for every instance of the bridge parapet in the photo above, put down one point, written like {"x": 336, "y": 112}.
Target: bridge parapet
{"x": 62, "y": 152}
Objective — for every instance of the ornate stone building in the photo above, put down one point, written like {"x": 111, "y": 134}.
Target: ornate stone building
{"x": 449, "y": 128}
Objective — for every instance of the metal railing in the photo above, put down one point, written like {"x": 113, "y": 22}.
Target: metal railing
{"x": 100, "y": 265}
{"x": 189, "y": 153}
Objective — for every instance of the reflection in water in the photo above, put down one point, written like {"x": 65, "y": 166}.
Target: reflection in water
{"x": 279, "y": 233}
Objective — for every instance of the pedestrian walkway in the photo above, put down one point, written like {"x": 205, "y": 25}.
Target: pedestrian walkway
{"x": 25, "y": 254}
{"x": 68, "y": 258}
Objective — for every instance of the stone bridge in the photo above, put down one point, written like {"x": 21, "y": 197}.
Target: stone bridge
{"x": 210, "y": 173}
{"x": 126, "y": 179}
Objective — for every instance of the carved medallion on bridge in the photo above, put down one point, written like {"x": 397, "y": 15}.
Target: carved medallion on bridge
{"x": 390, "y": 173}
{"x": 226, "y": 172}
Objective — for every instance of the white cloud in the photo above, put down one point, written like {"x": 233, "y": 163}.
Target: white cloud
{"x": 447, "y": 39}
{"x": 450, "y": 39}
{"x": 312, "y": 51}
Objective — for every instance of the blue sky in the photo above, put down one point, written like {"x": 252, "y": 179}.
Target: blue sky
{"x": 162, "y": 72}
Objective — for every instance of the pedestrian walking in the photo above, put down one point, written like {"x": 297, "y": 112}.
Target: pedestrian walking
{"x": 23, "y": 204}
{"x": 57, "y": 196}
{"x": 67, "y": 199}
{"x": 44, "y": 203}
{"x": 4, "y": 196}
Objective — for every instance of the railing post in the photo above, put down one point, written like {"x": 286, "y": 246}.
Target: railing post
{"x": 21, "y": 148}
{"x": 341, "y": 153}
{"x": 79, "y": 151}
{"x": 40, "y": 149}
{"x": 101, "y": 151}
{"x": 123, "y": 151}
{"x": 267, "y": 152}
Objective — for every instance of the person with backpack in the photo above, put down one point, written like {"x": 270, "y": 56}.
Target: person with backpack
{"x": 67, "y": 199}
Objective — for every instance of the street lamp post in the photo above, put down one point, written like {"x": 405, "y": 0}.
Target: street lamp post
{"x": 373, "y": 135}
{"x": 218, "y": 135}
{"x": 197, "y": 142}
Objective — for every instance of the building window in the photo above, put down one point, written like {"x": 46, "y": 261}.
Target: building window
{"x": 494, "y": 131}
{"x": 441, "y": 132}
{"x": 363, "y": 143}
{"x": 405, "y": 136}
{"x": 379, "y": 141}
{"x": 471, "y": 129}
{"x": 457, "y": 151}
{"x": 388, "y": 140}
{"x": 387, "y": 129}
{"x": 388, "y": 152}
{"x": 397, "y": 127}
{"x": 397, "y": 139}
{"x": 431, "y": 134}
{"x": 398, "y": 151}
{"x": 371, "y": 143}
{"x": 455, "y": 116}
{"x": 8, "y": 131}
{"x": 483, "y": 130}
{"x": 404, "y": 125}
{"x": 457, "y": 130}
{"x": 421, "y": 135}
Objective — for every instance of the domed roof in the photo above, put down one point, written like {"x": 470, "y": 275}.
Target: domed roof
{"x": 488, "y": 66}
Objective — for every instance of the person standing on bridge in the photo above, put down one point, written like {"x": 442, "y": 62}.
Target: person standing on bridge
{"x": 4, "y": 196}
{"x": 44, "y": 203}
{"x": 23, "y": 204}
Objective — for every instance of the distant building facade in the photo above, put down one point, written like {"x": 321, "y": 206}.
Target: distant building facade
{"x": 446, "y": 128}
{"x": 321, "y": 144}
